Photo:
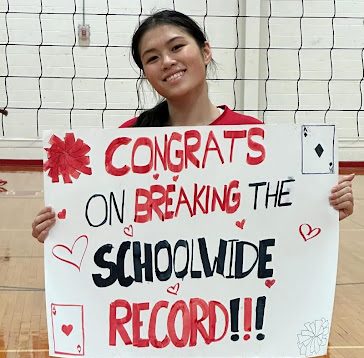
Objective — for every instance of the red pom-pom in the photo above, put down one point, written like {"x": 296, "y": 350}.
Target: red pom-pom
{"x": 67, "y": 158}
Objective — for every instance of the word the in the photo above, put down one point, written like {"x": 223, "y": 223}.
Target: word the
{"x": 275, "y": 194}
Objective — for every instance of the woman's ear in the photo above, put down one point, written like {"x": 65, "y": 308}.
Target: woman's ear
{"x": 207, "y": 54}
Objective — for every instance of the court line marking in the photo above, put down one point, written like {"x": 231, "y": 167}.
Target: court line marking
{"x": 19, "y": 288}
{"x": 23, "y": 350}
{"x": 21, "y": 257}
{"x": 47, "y": 350}
{"x": 17, "y": 230}
{"x": 345, "y": 347}
{"x": 349, "y": 283}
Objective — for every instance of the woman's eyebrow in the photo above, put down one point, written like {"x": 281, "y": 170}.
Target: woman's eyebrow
{"x": 167, "y": 43}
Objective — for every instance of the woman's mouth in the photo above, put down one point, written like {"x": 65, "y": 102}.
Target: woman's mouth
{"x": 175, "y": 76}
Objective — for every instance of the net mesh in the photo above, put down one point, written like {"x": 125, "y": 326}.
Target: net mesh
{"x": 282, "y": 61}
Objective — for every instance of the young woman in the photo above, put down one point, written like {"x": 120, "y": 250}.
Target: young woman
{"x": 173, "y": 53}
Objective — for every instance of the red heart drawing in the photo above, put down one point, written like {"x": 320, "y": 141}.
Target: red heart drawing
{"x": 307, "y": 232}
{"x": 156, "y": 176}
{"x": 62, "y": 214}
{"x": 175, "y": 178}
{"x": 240, "y": 224}
{"x": 73, "y": 256}
{"x": 128, "y": 231}
{"x": 270, "y": 283}
{"x": 173, "y": 289}
{"x": 67, "y": 329}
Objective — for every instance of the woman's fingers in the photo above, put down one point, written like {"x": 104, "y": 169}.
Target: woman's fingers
{"x": 42, "y": 216}
{"x": 42, "y": 223}
{"x": 345, "y": 193}
{"x": 348, "y": 177}
{"x": 344, "y": 181}
{"x": 341, "y": 197}
{"x": 43, "y": 235}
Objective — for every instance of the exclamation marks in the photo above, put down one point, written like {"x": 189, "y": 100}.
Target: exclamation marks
{"x": 247, "y": 318}
{"x": 259, "y": 316}
{"x": 234, "y": 318}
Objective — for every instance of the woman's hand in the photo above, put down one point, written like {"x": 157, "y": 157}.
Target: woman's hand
{"x": 341, "y": 197}
{"x": 42, "y": 223}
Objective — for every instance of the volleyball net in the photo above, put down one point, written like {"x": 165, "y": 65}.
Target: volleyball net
{"x": 283, "y": 61}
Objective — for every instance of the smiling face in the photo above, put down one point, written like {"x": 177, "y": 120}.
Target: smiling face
{"x": 173, "y": 63}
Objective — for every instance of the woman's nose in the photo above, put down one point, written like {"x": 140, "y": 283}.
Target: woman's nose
{"x": 168, "y": 61}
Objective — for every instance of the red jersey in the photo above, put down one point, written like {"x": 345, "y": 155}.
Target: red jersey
{"x": 228, "y": 117}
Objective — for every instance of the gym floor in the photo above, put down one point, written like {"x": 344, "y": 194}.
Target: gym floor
{"x": 23, "y": 330}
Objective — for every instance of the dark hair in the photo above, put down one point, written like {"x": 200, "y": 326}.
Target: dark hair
{"x": 158, "y": 116}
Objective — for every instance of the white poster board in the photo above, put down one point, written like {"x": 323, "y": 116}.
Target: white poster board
{"x": 191, "y": 242}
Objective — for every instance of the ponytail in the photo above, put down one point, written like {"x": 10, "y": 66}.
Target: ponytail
{"x": 157, "y": 116}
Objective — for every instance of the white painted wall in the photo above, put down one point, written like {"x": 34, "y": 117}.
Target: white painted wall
{"x": 297, "y": 61}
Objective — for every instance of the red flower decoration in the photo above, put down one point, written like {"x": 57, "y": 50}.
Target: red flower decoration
{"x": 67, "y": 158}
{"x": 2, "y": 183}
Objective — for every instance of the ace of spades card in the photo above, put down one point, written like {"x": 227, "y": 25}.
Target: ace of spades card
{"x": 318, "y": 149}
{"x": 68, "y": 329}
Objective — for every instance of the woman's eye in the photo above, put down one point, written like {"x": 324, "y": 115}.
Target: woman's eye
{"x": 152, "y": 59}
{"x": 177, "y": 47}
